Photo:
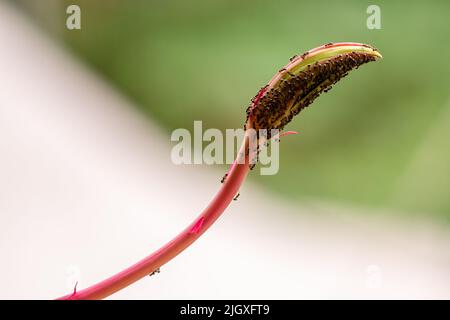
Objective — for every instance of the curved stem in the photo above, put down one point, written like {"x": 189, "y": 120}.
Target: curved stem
{"x": 332, "y": 62}
{"x": 144, "y": 267}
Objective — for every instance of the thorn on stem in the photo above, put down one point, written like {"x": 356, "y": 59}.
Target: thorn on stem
{"x": 197, "y": 226}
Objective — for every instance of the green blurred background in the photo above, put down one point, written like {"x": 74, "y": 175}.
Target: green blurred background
{"x": 378, "y": 139}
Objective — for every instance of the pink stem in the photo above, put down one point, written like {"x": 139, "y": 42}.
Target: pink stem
{"x": 228, "y": 191}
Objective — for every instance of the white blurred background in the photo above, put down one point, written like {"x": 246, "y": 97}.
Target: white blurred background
{"x": 87, "y": 188}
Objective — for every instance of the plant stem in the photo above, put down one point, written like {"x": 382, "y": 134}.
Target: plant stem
{"x": 146, "y": 266}
{"x": 292, "y": 89}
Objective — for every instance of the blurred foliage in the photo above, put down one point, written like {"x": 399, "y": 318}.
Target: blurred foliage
{"x": 379, "y": 138}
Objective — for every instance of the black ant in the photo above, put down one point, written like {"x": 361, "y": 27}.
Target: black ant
{"x": 237, "y": 196}
{"x": 224, "y": 178}
{"x": 284, "y": 70}
{"x": 154, "y": 272}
